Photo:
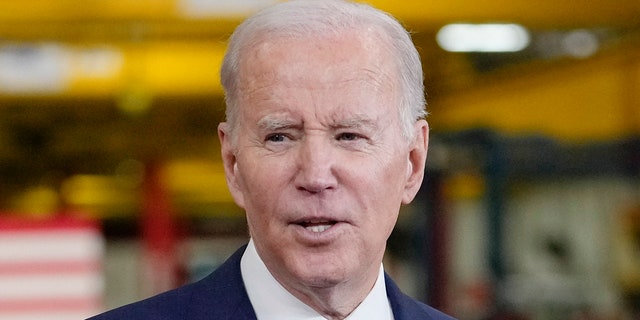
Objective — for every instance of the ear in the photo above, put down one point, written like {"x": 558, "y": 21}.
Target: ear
{"x": 417, "y": 158}
{"x": 229, "y": 160}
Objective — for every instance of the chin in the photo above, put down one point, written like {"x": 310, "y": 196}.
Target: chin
{"x": 324, "y": 273}
{"x": 321, "y": 280}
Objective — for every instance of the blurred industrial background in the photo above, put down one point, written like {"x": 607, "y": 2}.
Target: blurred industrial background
{"x": 112, "y": 189}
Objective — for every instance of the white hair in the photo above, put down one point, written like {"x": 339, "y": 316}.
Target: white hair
{"x": 307, "y": 18}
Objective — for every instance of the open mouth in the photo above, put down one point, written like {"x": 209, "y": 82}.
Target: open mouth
{"x": 317, "y": 226}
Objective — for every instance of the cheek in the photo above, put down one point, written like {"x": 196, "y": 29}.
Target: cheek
{"x": 384, "y": 188}
{"x": 262, "y": 184}
{"x": 386, "y": 180}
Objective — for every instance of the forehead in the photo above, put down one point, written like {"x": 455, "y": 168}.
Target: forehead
{"x": 347, "y": 68}
{"x": 331, "y": 57}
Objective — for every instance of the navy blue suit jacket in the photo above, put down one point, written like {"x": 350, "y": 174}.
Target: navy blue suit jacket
{"x": 222, "y": 295}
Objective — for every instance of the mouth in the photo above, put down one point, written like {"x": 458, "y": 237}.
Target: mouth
{"x": 317, "y": 226}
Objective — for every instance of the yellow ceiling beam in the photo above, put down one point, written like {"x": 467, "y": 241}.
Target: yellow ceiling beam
{"x": 541, "y": 13}
{"x": 40, "y": 15}
{"x": 595, "y": 99}
{"x": 87, "y": 11}
{"x": 176, "y": 68}
{"x": 148, "y": 68}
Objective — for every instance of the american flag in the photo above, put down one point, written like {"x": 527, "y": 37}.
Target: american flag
{"x": 50, "y": 268}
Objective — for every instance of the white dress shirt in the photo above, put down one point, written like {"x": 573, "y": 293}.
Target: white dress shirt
{"x": 271, "y": 301}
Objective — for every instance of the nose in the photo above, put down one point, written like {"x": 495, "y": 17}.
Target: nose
{"x": 316, "y": 166}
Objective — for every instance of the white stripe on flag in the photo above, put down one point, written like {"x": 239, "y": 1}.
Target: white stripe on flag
{"x": 30, "y": 246}
{"x": 37, "y": 287}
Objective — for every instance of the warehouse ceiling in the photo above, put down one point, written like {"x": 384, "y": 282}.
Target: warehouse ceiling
{"x": 89, "y": 87}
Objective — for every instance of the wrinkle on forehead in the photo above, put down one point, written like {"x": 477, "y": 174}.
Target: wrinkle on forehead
{"x": 366, "y": 86}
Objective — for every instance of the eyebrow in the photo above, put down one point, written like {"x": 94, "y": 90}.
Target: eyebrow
{"x": 274, "y": 122}
{"x": 357, "y": 122}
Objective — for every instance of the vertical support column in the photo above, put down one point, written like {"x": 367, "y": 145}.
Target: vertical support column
{"x": 496, "y": 180}
{"x": 436, "y": 238}
{"x": 159, "y": 235}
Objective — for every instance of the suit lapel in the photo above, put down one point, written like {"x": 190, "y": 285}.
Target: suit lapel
{"x": 403, "y": 307}
{"x": 222, "y": 294}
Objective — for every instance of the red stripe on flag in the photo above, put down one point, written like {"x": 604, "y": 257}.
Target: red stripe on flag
{"x": 50, "y": 267}
{"x": 61, "y": 304}
{"x": 14, "y": 223}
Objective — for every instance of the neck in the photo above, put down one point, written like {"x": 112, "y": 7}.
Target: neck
{"x": 335, "y": 301}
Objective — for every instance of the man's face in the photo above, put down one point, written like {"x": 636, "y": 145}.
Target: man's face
{"x": 318, "y": 160}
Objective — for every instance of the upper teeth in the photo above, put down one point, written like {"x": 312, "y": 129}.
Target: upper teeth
{"x": 319, "y": 228}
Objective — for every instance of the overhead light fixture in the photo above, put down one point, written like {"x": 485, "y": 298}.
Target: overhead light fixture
{"x": 461, "y": 37}
{"x": 580, "y": 43}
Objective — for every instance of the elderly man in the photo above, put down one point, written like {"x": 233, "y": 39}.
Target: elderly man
{"x": 324, "y": 141}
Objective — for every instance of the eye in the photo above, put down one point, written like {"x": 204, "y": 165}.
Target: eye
{"x": 275, "y": 137}
{"x": 348, "y": 136}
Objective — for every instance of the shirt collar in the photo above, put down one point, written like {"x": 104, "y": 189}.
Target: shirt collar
{"x": 271, "y": 301}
